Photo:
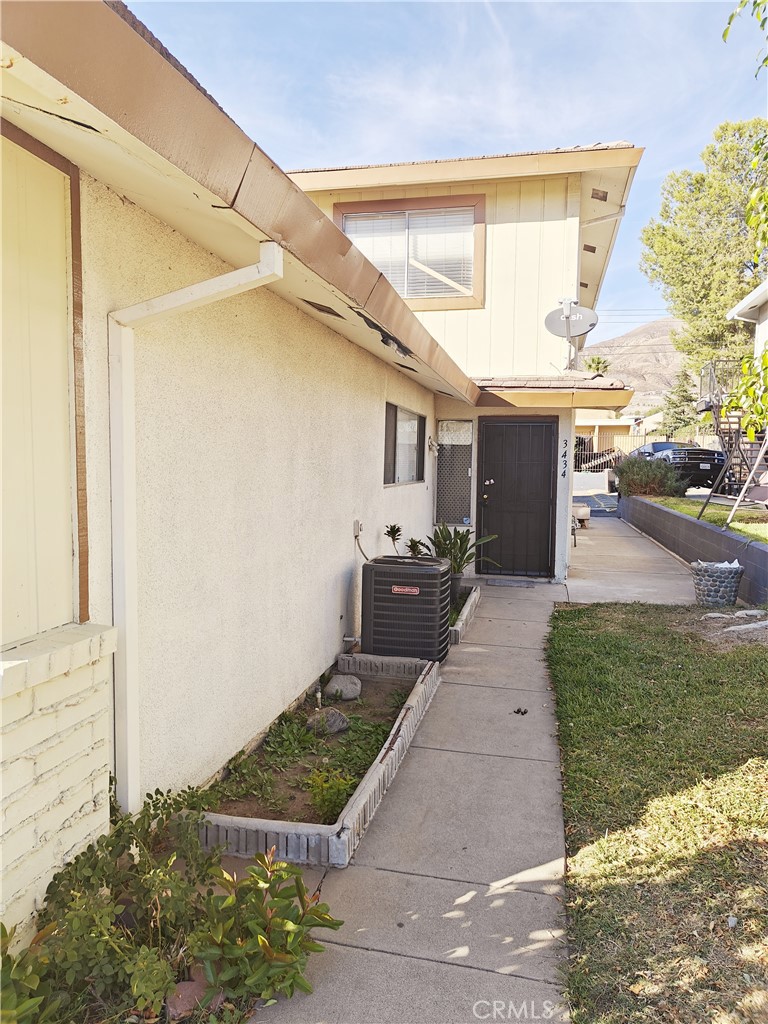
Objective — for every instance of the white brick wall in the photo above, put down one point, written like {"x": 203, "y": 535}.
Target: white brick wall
{"x": 56, "y": 720}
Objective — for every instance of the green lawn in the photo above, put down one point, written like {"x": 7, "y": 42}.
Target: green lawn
{"x": 749, "y": 523}
{"x": 664, "y": 740}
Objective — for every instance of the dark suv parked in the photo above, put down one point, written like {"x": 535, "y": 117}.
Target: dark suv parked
{"x": 699, "y": 466}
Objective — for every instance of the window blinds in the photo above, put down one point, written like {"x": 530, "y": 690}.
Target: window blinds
{"x": 422, "y": 253}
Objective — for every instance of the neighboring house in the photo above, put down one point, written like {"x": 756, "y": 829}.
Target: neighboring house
{"x": 482, "y": 249}
{"x": 205, "y": 386}
{"x": 603, "y": 430}
{"x": 753, "y": 309}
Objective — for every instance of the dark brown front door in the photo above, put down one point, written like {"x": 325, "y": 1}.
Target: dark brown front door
{"x": 516, "y": 495}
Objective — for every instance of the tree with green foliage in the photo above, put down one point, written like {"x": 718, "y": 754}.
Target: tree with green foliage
{"x": 680, "y": 406}
{"x": 596, "y": 364}
{"x": 701, "y": 251}
{"x": 760, "y": 14}
{"x": 750, "y": 396}
{"x": 757, "y": 207}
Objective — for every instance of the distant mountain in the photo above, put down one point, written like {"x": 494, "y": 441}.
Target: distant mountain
{"x": 645, "y": 359}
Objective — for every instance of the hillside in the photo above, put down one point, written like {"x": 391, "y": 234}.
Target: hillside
{"x": 645, "y": 359}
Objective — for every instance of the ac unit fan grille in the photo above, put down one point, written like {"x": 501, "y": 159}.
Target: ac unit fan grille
{"x": 397, "y": 621}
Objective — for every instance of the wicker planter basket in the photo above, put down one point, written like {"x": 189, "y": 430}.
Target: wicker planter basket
{"x": 716, "y": 586}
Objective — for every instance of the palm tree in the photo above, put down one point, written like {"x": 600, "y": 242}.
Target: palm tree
{"x": 596, "y": 364}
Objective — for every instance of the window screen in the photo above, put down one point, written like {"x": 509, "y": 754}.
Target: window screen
{"x": 454, "y": 472}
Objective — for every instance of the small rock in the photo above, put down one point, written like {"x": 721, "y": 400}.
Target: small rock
{"x": 187, "y": 998}
{"x": 750, "y": 613}
{"x": 763, "y": 624}
{"x": 327, "y": 721}
{"x": 732, "y": 921}
{"x": 343, "y": 688}
{"x": 715, "y": 615}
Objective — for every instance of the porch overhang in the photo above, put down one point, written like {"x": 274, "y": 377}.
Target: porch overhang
{"x": 568, "y": 391}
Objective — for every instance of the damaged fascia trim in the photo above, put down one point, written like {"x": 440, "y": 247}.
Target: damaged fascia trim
{"x": 95, "y": 53}
{"x": 122, "y": 421}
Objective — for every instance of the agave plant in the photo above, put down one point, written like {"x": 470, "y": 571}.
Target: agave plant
{"x": 458, "y": 547}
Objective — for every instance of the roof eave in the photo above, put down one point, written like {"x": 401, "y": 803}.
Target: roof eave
{"x": 89, "y": 85}
{"x": 556, "y": 398}
{"x": 472, "y": 169}
{"x": 748, "y": 309}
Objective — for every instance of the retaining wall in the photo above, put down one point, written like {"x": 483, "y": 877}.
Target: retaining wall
{"x": 692, "y": 539}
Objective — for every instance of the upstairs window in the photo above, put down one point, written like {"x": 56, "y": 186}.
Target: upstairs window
{"x": 422, "y": 254}
{"x": 430, "y": 250}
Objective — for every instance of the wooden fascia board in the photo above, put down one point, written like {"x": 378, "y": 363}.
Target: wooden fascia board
{"x": 484, "y": 169}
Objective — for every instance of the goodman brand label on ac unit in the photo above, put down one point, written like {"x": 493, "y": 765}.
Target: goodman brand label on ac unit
{"x": 405, "y": 590}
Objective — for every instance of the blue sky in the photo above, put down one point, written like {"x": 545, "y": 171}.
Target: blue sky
{"x": 329, "y": 84}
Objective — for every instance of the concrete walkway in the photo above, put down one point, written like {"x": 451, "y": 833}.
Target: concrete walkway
{"x": 453, "y": 905}
{"x": 454, "y": 899}
{"x": 613, "y": 562}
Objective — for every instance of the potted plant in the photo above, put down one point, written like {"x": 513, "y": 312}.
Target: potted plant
{"x": 459, "y": 548}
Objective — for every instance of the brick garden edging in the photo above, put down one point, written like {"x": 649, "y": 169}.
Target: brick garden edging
{"x": 333, "y": 845}
{"x": 456, "y": 633}
{"x": 692, "y": 539}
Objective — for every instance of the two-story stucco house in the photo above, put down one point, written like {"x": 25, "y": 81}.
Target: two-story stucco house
{"x": 206, "y": 385}
{"x": 482, "y": 250}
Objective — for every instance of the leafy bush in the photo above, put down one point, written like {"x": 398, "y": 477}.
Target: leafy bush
{"x": 329, "y": 790}
{"x": 636, "y": 475}
{"x": 22, "y": 989}
{"x": 134, "y": 912}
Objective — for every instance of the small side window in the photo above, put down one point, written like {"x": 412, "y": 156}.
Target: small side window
{"x": 404, "y": 436}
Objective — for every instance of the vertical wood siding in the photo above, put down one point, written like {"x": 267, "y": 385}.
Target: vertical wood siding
{"x": 38, "y": 584}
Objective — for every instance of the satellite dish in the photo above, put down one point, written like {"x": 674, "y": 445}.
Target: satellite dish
{"x": 581, "y": 321}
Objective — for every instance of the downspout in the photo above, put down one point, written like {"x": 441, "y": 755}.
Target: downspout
{"x": 122, "y": 418}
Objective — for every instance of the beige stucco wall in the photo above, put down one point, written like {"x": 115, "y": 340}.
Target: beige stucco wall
{"x": 56, "y": 727}
{"x": 532, "y": 261}
{"x": 448, "y": 409}
{"x": 260, "y": 439}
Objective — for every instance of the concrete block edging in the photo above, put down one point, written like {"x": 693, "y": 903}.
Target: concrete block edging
{"x": 456, "y": 633}
{"x": 333, "y": 845}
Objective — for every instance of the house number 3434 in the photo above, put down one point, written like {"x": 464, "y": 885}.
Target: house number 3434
{"x": 564, "y": 459}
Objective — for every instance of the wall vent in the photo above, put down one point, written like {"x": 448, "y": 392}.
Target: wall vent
{"x": 600, "y": 194}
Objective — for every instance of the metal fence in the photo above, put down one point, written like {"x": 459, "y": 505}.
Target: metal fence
{"x": 592, "y": 457}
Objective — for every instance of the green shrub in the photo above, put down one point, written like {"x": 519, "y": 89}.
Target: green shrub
{"x": 134, "y": 912}
{"x": 255, "y": 938}
{"x": 636, "y": 475}
{"x": 329, "y": 790}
